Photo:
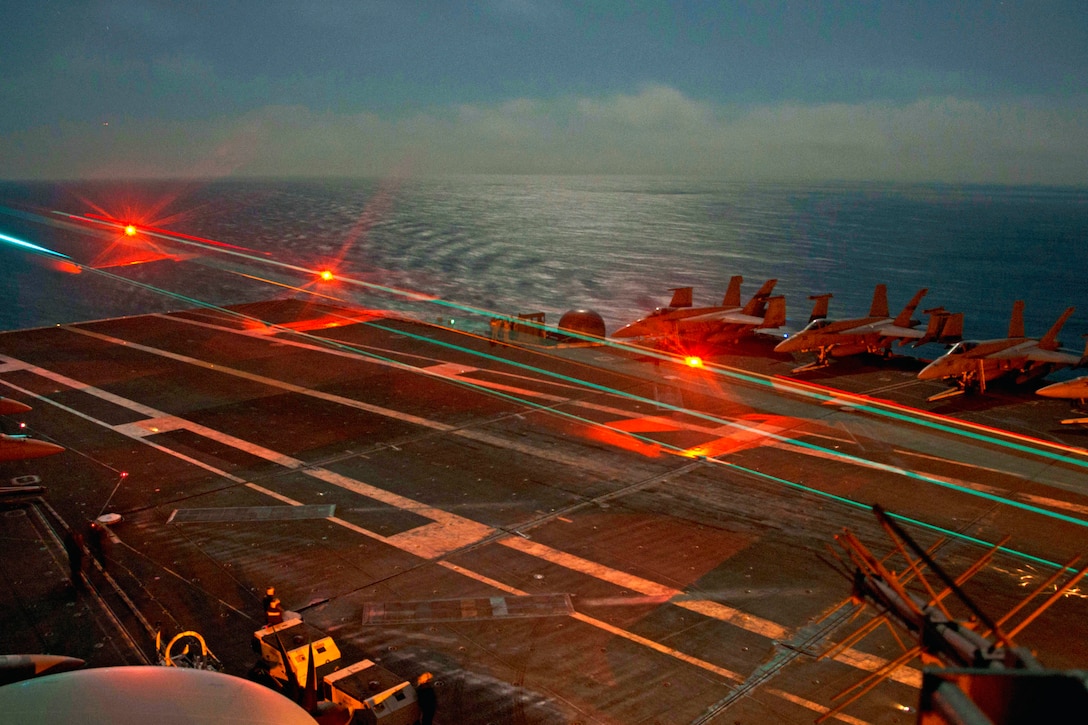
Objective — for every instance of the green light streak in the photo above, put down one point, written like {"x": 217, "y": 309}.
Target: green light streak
{"x": 906, "y": 519}
{"x": 720, "y": 421}
{"x": 32, "y": 247}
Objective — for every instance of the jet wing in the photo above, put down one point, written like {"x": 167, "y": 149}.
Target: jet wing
{"x": 898, "y": 331}
{"x": 1036, "y": 355}
{"x": 723, "y": 317}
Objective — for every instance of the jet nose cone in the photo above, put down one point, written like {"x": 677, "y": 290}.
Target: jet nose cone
{"x": 12, "y": 407}
{"x": 15, "y": 448}
{"x": 1051, "y": 391}
{"x": 1076, "y": 388}
{"x": 792, "y": 343}
{"x": 933, "y": 371}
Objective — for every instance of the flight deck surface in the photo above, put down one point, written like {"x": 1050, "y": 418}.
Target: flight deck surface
{"x": 559, "y": 535}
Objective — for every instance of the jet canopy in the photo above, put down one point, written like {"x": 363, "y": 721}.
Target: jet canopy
{"x": 819, "y": 324}
{"x": 962, "y": 347}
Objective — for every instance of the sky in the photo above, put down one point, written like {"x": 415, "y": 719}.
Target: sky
{"x": 953, "y": 91}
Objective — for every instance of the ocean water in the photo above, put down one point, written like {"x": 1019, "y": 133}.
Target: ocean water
{"x": 516, "y": 244}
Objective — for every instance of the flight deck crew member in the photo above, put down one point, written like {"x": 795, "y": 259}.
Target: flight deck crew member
{"x": 425, "y": 696}
{"x": 269, "y": 595}
{"x": 73, "y": 545}
{"x": 274, "y": 612}
{"x": 98, "y": 541}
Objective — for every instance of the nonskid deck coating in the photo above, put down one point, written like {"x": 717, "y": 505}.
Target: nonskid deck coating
{"x": 687, "y": 578}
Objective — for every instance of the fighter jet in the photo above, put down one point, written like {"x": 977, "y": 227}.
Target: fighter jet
{"x": 974, "y": 363}
{"x": 839, "y": 338}
{"x": 712, "y": 324}
{"x": 20, "y": 447}
{"x": 1075, "y": 389}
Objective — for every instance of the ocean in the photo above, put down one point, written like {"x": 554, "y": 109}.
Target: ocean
{"x": 520, "y": 244}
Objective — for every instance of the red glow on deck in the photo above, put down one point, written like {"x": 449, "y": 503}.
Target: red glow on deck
{"x": 60, "y": 265}
{"x": 622, "y": 440}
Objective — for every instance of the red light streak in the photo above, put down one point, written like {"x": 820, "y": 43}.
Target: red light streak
{"x": 167, "y": 232}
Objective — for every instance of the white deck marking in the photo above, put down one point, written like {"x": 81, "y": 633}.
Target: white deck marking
{"x": 707, "y": 608}
{"x": 814, "y": 706}
{"x": 602, "y": 470}
{"x": 447, "y": 369}
{"x": 271, "y": 382}
{"x": 150, "y": 426}
{"x": 447, "y": 532}
{"x": 714, "y": 610}
{"x": 657, "y": 646}
{"x": 272, "y": 494}
{"x": 1053, "y": 503}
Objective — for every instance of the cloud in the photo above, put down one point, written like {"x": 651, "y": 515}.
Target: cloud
{"x": 657, "y": 130}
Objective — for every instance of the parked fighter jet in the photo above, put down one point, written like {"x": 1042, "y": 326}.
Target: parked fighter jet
{"x": 20, "y": 447}
{"x": 713, "y": 324}
{"x": 974, "y": 363}
{"x": 874, "y": 334}
{"x": 1075, "y": 389}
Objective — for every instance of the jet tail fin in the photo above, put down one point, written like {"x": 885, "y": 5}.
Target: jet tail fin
{"x": 1049, "y": 341}
{"x": 819, "y": 307}
{"x": 776, "y": 312}
{"x": 943, "y": 326}
{"x": 732, "y": 295}
{"x": 903, "y": 319}
{"x": 681, "y": 297}
{"x": 952, "y": 329}
{"x": 879, "y": 308}
{"x": 758, "y": 304}
{"x": 1016, "y": 322}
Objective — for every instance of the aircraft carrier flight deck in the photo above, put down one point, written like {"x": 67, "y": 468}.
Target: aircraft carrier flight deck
{"x": 559, "y": 534}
